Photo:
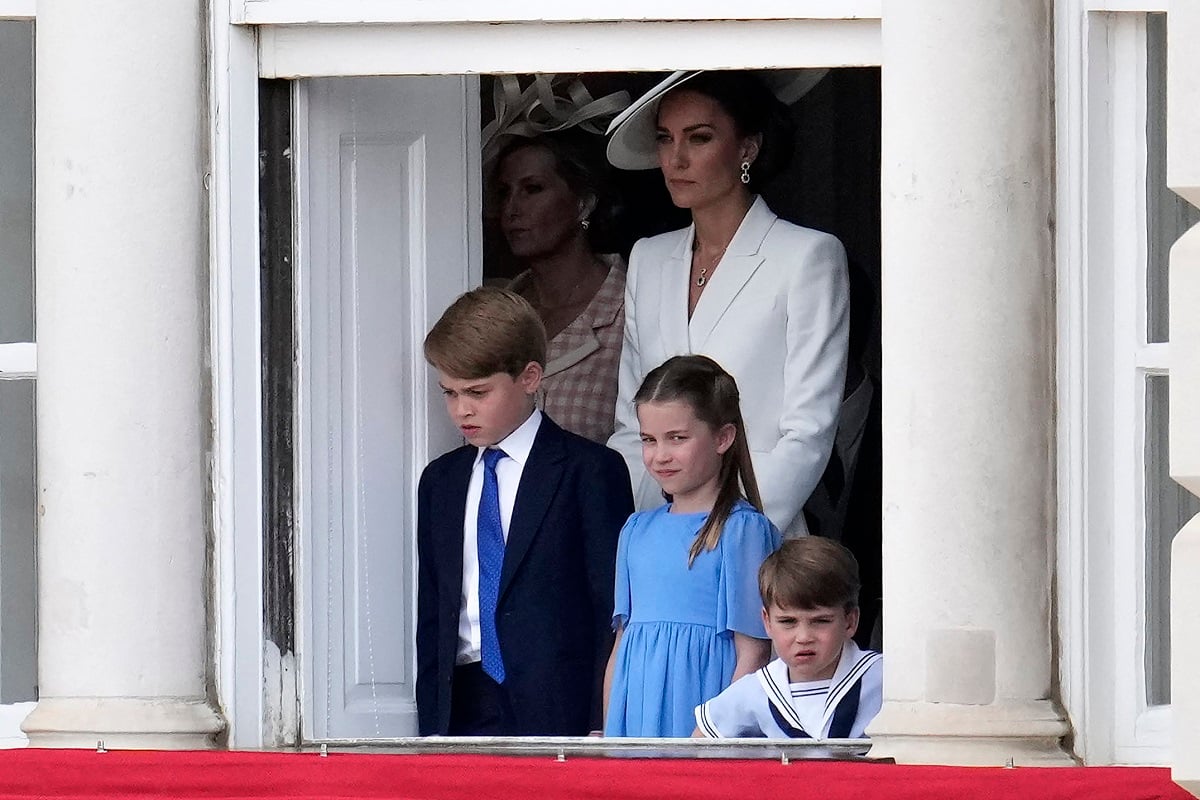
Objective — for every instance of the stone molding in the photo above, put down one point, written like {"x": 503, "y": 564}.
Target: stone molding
{"x": 1020, "y": 732}
{"x": 126, "y": 723}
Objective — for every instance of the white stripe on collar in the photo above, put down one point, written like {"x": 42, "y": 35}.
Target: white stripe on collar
{"x": 853, "y": 664}
{"x": 777, "y": 687}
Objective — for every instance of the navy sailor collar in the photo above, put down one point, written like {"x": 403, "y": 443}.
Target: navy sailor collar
{"x": 776, "y": 684}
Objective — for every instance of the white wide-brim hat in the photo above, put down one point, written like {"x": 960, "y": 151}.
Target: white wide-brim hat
{"x": 631, "y": 143}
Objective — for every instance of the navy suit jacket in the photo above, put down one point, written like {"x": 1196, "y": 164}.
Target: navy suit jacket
{"x": 554, "y": 613}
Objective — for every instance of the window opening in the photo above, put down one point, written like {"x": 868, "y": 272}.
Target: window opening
{"x": 18, "y": 517}
{"x": 16, "y": 181}
{"x": 1167, "y": 214}
{"x": 832, "y": 184}
{"x": 1167, "y": 505}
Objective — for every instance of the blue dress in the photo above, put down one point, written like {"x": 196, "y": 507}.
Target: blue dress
{"x": 677, "y": 650}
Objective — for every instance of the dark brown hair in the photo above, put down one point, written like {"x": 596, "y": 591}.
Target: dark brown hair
{"x": 485, "y": 331}
{"x": 755, "y": 111}
{"x": 712, "y": 394}
{"x": 807, "y": 573}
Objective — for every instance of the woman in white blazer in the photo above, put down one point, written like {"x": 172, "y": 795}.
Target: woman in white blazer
{"x": 767, "y": 299}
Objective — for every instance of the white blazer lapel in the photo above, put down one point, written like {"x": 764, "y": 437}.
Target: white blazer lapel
{"x": 742, "y": 258}
{"x": 732, "y": 274}
{"x": 673, "y": 299}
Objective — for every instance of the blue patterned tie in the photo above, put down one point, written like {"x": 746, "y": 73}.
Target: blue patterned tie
{"x": 491, "y": 560}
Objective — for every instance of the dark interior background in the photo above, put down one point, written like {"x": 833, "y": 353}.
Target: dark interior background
{"x": 832, "y": 184}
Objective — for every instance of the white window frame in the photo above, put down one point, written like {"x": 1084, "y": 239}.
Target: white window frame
{"x": 18, "y": 9}
{"x": 255, "y": 691}
{"x": 18, "y": 360}
{"x": 300, "y": 51}
{"x": 1104, "y": 362}
{"x": 250, "y": 682}
{"x": 352, "y": 12}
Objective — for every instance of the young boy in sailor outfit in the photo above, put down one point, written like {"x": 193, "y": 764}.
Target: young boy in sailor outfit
{"x": 821, "y": 685}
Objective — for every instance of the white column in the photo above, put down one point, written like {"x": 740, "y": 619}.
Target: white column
{"x": 123, "y": 416}
{"x": 968, "y": 416}
{"x": 1183, "y": 175}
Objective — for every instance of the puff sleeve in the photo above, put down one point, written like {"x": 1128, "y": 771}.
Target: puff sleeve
{"x": 748, "y": 538}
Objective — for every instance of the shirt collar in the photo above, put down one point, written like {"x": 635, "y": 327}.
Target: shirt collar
{"x": 518, "y": 443}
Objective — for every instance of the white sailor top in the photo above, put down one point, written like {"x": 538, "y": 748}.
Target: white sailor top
{"x": 762, "y": 704}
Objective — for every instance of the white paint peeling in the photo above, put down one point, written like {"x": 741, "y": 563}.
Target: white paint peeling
{"x": 281, "y": 723}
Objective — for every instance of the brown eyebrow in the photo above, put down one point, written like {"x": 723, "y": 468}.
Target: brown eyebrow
{"x": 690, "y": 128}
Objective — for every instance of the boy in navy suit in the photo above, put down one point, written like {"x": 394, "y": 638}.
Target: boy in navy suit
{"x": 516, "y": 540}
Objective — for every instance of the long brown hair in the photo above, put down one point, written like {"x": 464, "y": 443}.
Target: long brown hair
{"x": 712, "y": 394}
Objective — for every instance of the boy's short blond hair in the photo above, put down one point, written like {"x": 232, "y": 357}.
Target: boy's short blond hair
{"x": 485, "y": 331}
{"x": 807, "y": 573}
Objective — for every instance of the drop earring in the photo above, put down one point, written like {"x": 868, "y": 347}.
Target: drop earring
{"x": 745, "y": 172}
{"x": 585, "y": 223}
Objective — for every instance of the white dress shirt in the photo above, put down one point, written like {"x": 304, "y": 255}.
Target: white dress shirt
{"x": 516, "y": 447}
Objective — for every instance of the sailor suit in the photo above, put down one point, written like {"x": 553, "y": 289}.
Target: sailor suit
{"x": 766, "y": 704}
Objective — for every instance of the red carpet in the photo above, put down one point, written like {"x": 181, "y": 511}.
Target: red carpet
{"x": 86, "y": 774}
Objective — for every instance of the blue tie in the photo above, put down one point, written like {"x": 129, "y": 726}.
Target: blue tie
{"x": 491, "y": 561}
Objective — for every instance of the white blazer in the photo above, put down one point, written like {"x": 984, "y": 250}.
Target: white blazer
{"x": 775, "y": 315}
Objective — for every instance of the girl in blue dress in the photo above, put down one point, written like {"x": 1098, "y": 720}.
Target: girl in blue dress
{"x": 687, "y": 613}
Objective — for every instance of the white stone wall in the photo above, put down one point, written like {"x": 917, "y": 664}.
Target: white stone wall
{"x": 123, "y": 429}
{"x": 968, "y": 332}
